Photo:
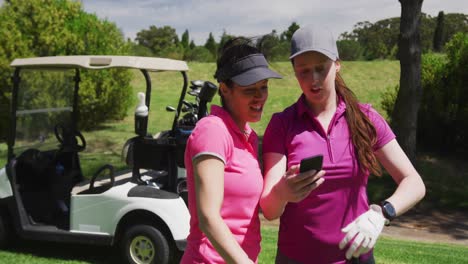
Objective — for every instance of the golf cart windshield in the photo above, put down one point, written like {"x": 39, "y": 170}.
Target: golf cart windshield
{"x": 46, "y": 103}
{"x": 45, "y": 99}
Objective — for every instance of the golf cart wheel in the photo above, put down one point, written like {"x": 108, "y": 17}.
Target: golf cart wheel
{"x": 144, "y": 244}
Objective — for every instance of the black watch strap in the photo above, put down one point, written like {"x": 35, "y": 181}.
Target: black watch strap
{"x": 388, "y": 210}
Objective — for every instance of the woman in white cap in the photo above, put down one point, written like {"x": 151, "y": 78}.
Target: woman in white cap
{"x": 223, "y": 174}
{"x": 330, "y": 221}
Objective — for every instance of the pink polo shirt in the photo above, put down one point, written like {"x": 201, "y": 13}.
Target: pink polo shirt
{"x": 310, "y": 230}
{"x": 217, "y": 135}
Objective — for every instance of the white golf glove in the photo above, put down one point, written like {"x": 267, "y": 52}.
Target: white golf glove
{"x": 365, "y": 230}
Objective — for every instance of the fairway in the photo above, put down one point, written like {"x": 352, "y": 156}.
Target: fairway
{"x": 387, "y": 251}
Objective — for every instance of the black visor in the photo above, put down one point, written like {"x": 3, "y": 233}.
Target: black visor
{"x": 247, "y": 71}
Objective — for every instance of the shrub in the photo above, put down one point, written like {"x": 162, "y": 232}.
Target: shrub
{"x": 442, "y": 124}
{"x": 388, "y": 100}
{"x": 456, "y": 88}
{"x": 432, "y": 110}
{"x": 200, "y": 54}
{"x": 349, "y": 50}
{"x": 60, "y": 27}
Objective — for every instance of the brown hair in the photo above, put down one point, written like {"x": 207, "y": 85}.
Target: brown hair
{"x": 363, "y": 133}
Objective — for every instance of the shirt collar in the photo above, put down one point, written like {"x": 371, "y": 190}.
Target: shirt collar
{"x": 227, "y": 118}
{"x": 302, "y": 107}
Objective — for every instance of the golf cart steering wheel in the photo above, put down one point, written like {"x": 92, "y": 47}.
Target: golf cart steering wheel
{"x": 108, "y": 167}
{"x": 67, "y": 138}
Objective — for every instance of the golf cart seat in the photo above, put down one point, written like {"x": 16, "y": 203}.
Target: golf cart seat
{"x": 32, "y": 169}
{"x": 45, "y": 180}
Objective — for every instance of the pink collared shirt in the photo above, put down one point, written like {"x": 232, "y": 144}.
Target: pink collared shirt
{"x": 217, "y": 135}
{"x": 310, "y": 230}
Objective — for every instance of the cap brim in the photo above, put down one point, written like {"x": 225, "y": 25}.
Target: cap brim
{"x": 255, "y": 75}
{"x": 324, "y": 52}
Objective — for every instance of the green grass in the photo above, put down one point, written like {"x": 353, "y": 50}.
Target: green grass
{"x": 392, "y": 251}
{"x": 54, "y": 253}
{"x": 387, "y": 251}
{"x": 3, "y": 154}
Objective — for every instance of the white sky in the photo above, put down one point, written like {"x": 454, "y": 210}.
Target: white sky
{"x": 251, "y": 17}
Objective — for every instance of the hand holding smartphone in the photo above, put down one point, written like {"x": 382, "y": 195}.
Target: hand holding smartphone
{"x": 311, "y": 163}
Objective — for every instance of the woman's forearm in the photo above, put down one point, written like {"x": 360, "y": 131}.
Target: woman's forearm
{"x": 410, "y": 188}
{"x": 271, "y": 202}
{"x": 409, "y": 192}
{"x": 272, "y": 205}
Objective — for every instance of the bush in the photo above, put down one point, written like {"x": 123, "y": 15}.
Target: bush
{"x": 139, "y": 50}
{"x": 388, "y": 100}
{"x": 456, "y": 89}
{"x": 349, "y": 50}
{"x": 60, "y": 27}
{"x": 443, "y": 115}
{"x": 200, "y": 54}
{"x": 433, "y": 109}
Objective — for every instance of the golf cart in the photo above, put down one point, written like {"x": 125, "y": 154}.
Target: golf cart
{"x": 46, "y": 195}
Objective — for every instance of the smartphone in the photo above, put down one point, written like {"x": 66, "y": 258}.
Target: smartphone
{"x": 311, "y": 163}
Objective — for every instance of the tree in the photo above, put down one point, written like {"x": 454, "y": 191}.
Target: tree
{"x": 211, "y": 45}
{"x": 378, "y": 40}
{"x": 139, "y": 50}
{"x": 60, "y": 27}
{"x": 405, "y": 112}
{"x": 287, "y": 35}
{"x": 453, "y": 24}
{"x": 185, "y": 40}
{"x": 192, "y": 44}
{"x": 349, "y": 50}
{"x": 162, "y": 41}
{"x": 273, "y": 48}
{"x": 267, "y": 44}
{"x": 199, "y": 53}
{"x": 426, "y": 32}
{"x": 439, "y": 32}
{"x": 225, "y": 37}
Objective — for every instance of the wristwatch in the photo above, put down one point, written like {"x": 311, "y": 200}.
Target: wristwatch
{"x": 388, "y": 211}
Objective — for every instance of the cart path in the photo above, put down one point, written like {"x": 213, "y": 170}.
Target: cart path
{"x": 434, "y": 227}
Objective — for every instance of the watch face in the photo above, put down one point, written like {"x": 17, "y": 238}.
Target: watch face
{"x": 389, "y": 210}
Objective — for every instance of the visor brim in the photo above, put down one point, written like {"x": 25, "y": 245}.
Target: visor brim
{"x": 255, "y": 75}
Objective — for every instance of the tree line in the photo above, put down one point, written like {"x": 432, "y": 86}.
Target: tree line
{"x": 164, "y": 42}
{"x": 367, "y": 41}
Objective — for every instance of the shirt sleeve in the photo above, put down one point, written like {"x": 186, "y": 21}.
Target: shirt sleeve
{"x": 210, "y": 137}
{"x": 384, "y": 132}
{"x": 274, "y": 136}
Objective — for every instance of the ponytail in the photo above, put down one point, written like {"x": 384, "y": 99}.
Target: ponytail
{"x": 363, "y": 133}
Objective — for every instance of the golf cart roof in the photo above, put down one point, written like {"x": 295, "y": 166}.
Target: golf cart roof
{"x": 102, "y": 62}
